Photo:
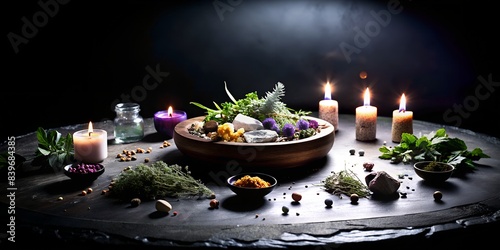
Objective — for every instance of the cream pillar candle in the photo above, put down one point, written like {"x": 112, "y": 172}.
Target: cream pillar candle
{"x": 366, "y": 120}
{"x": 91, "y": 145}
{"x": 402, "y": 121}
{"x": 329, "y": 109}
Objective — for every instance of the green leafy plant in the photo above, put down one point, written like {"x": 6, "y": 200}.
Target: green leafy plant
{"x": 54, "y": 150}
{"x": 435, "y": 146}
{"x": 253, "y": 106}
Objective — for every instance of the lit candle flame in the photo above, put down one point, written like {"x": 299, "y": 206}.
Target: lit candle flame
{"x": 90, "y": 129}
{"x": 402, "y": 104}
{"x": 328, "y": 91}
{"x": 169, "y": 111}
{"x": 367, "y": 98}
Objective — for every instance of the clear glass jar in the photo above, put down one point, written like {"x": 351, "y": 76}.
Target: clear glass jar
{"x": 129, "y": 124}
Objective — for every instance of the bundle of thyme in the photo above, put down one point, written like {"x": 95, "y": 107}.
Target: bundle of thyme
{"x": 345, "y": 182}
{"x": 158, "y": 180}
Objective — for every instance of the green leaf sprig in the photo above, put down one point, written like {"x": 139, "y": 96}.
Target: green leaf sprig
{"x": 435, "y": 146}
{"x": 54, "y": 150}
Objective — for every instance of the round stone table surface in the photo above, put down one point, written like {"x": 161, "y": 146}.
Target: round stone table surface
{"x": 47, "y": 208}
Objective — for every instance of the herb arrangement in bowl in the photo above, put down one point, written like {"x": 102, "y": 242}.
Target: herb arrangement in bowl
{"x": 255, "y": 132}
{"x": 269, "y": 111}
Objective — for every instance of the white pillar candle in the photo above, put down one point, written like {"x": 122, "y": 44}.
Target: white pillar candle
{"x": 91, "y": 145}
{"x": 329, "y": 109}
{"x": 402, "y": 121}
{"x": 366, "y": 120}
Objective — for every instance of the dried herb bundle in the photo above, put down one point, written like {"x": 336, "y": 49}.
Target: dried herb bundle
{"x": 347, "y": 183}
{"x": 158, "y": 180}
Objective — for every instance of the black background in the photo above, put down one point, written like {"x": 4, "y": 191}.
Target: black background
{"x": 86, "y": 56}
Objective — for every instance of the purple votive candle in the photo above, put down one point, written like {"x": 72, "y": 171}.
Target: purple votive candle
{"x": 166, "y": 120}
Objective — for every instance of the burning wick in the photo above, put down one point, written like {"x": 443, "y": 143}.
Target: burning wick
{"x": 170, "y": 111}
{"x": 90, "y": 129}
{"x": 402, "y": 104}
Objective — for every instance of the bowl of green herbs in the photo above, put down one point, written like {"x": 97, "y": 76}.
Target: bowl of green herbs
{"x": 433, "y": 171}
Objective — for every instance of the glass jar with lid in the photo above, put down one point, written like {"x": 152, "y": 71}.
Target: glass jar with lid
{"x": 129, "y": 124}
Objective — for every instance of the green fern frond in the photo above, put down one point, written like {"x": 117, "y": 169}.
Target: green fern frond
{"x": 272, "y": 98}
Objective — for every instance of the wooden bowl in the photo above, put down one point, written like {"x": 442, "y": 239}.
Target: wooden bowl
{"x": 287, "y": 154}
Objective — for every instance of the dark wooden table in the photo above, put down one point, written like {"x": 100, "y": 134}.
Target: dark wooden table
{"x": 469, "y": 208}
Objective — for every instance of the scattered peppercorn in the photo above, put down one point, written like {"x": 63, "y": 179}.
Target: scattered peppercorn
{"x": 328, "y": 202}
{"x": 352, "y": 151}
{"x": 438, "y": 195}
{"x": 361, "y": 152}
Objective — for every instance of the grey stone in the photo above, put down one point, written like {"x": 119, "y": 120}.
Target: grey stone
{"x": 246, "y": 122}
{"x": 263, "y": 135}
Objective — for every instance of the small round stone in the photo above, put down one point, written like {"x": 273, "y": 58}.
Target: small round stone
{"x": 135, "y": 202}
{"x": 285, "y": 209}
{"x": 296, "y": 197}
{"x": 328, "y": 202}
{"x": 438, "y": 195}
{"x": 214, "y": 203}
{"x": 354, "y": 198}
{"x": 368, "y": 166}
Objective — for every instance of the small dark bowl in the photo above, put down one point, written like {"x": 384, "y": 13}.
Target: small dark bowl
{"x": 250, "y": 191}
{"x": 433, "y": 176}
{"x": 82, "y": 177}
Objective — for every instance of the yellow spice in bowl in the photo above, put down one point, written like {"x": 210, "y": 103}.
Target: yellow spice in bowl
{"x": 252, "y": 182}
